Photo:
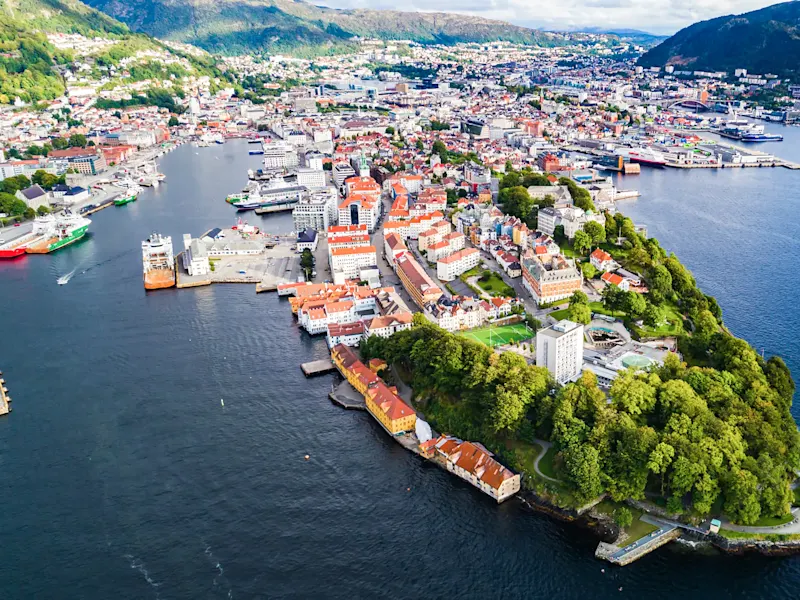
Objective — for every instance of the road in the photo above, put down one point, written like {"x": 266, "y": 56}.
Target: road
{"x": 792, "y": 526}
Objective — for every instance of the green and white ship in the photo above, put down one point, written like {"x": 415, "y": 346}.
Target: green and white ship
{"x": 67, "y": 229}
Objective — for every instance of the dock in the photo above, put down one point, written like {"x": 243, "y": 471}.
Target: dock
{"x": 317, "y": 367}
{"x": 5, "y": 399}
{"x": 346, "y": 396}
{"x": 667, "y": 531}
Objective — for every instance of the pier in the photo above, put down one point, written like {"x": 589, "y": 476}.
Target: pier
{"x": 317, "y": 367}
{"x": 346, "y": 396}
{"x": 5, "y": 400}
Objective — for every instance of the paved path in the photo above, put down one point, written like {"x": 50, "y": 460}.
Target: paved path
{"x": 792, "y": 526}
{"x": 650, "y": 539}
{"x": 545, "y": 447}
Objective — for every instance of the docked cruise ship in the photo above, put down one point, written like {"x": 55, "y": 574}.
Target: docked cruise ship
{"x": 158, "y": 262}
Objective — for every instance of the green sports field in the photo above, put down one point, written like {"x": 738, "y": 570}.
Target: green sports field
{"x": 499, "y": 336}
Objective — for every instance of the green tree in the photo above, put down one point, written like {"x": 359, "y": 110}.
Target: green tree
{"x": 43, "y": 210}
{"x": 173, "y": 121}
{"x": 660, "y": 280}
{"x": 440, "y": 149}
{"x": 580, "y": 313}
{"x": 77, "y": 140}
{"x": 653, "y": 315}
{"x": 389, "y": 130}
{"x": 741, "y": 497}
{"x": 596, "y": 232}
{"x": 623, "y": 517}
{"x": 589, "y": 270}
{"x": 582, "y": 463}
{"x": 307, "y": 263}
{"x": 634, "y": 304}
{"x": 516, "y": 202}
{"x": 578, "y": 297}
{"x": 59, "y": 143}
{"x": 582, "y": 242}
{"x": 420, "y": 146}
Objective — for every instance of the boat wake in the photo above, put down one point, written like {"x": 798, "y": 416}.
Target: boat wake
{"x": 220, "y": 581}
{"x": 64, "y": 279}
{"x": 108, "y": 260}
{"x": 140, "y": 566}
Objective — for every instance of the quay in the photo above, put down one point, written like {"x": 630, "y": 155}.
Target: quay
{"x": 232, "y": 256}
{"x": 5, "y": 399}
{"x": 346, "y": 396}
{"x": 665, "y": 533}
{"x": 317, "y": 367}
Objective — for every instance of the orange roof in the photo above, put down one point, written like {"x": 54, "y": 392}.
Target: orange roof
{"x": 388, "y": 402}
{"x": 601, "y": 255}
{"x": 358, "y": 250}
{"x": 456, "y": 256}
{"x": 612, "y": 278}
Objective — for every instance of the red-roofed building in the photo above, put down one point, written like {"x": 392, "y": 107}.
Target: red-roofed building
{"x": 473, "y": 463}
{"x": 602, "y": 260}
{"x": 614, "y": 279}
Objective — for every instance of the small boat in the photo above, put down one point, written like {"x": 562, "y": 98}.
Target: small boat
{"x": 130, "y": 195}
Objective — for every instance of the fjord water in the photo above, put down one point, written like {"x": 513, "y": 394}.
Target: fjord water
{"x": 125, "y": 477}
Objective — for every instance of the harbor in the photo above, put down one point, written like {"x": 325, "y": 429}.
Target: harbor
{"x": 236, "y": 256}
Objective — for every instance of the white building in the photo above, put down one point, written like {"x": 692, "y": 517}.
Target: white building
{"x": 450, "y": 267}
{"x": 317, "y": 210}
{"x": 310, "y": 178}
{"x": 278, "y": 156}
{"x": 560, "y": 349}
{"x": 195, "y": 256}
{"x": 346, "y": 263}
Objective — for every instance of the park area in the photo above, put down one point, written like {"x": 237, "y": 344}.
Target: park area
{"x": 499, "y": 336}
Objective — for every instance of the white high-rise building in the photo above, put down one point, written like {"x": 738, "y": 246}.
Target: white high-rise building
{"x": 317, "y": 210}
{"x": 560, "y": 349}
{"x": 279, "y": 156}
{"x": 310, "y": 178}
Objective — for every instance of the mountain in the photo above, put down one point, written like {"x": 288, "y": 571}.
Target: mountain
{"x": 636, "y": 36}
{"x": 31, "y": 65}
{"x": 762, "y": 41}
{"x": 234, "y": 26}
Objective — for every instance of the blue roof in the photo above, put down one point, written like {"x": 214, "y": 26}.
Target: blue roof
{"x": 307, "y": 236}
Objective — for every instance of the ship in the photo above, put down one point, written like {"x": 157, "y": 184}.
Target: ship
{"x": 158, "y": 263}
{"x": 67, "y": 229}
{"x": 42, "y": 226}
{"x": 761, "y": 137}
{"x": 129, "y": 195}
{"x": 645, "y": 156}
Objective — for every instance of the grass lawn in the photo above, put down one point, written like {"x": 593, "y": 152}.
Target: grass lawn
{"x": 729, "y": 533}
{"x": 638, "y": 529}
{"x": 546, "y": 465}
{"x": 560, "y": 314}
{"x": 495, "y": 286}
{"x": 499, "y": 336}
{"x": 526, "y": 453}
{"x": 771, "y": 521}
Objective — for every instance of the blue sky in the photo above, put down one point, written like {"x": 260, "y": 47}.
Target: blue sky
{"x": 657, "y": 16}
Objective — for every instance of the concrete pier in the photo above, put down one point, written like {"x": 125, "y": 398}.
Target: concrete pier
{"x": 346, "y": 396}
{"x": 317, "y": 367}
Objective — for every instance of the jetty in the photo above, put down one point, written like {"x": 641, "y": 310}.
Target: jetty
{"x": 317, "y": 367}
{"x": 346, "y": 396}
{"x": 5, "y": 399}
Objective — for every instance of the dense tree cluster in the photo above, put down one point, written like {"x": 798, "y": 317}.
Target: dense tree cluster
{"x": 697, "y": 436}
{"x": 704, "y": 438}
{"x": 471, "y": 391}
{"x": 580, "y": 195}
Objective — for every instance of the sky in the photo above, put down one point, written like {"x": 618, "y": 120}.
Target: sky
{"x": 663, "y": 17}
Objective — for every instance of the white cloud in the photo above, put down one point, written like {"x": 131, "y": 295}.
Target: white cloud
{"x": 657, "y": 16}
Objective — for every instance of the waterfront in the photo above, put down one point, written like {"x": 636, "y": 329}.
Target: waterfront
{"x": 127, "y": 478}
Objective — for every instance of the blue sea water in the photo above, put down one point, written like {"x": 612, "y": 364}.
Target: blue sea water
{"x": 123, "y": 475}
